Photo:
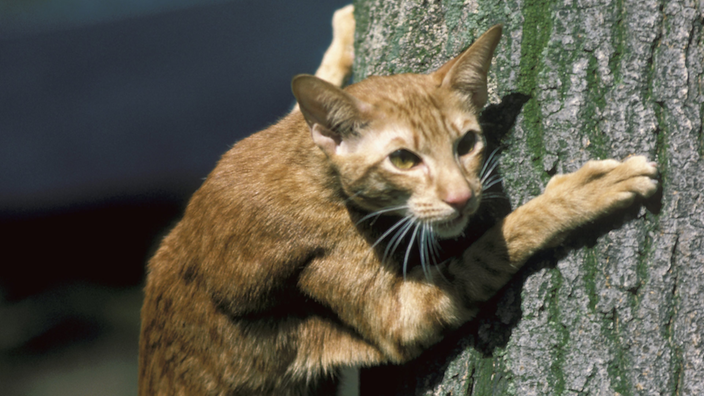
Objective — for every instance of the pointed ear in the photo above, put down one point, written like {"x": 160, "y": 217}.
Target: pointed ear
{"x": 466, "y": 74}
{"x": 333, "y": 115}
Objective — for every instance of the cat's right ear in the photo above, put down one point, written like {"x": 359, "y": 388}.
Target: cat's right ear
{"x": 467, "y": 73}
{"x": 333, "y": 115}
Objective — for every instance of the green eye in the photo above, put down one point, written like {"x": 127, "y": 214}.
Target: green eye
{"x": 467, "y": 143}
{"x": 404, "y": 159}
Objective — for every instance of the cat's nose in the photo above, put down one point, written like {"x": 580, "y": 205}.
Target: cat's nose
{"x": 458, "y": 198}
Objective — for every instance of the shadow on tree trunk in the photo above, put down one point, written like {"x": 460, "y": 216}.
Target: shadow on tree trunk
{"x": 493, "y": 326}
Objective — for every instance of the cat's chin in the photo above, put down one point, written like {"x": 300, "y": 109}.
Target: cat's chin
{"x": 452, "y": 228}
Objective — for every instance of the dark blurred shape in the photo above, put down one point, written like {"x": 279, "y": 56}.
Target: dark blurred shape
{"x": 107, "y": 244}
{"x": 67, "y": 332}
{"x": 105, "y": 132}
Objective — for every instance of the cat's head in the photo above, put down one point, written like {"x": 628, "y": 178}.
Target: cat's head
{"x": 408, "y": 144}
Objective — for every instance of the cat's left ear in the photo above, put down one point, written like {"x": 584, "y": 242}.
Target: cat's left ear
{"x": 467, "y": 73}
{"x": 333, "y": 115}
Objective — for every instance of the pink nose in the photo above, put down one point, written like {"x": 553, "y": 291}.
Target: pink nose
{"x": 458, "y": 198}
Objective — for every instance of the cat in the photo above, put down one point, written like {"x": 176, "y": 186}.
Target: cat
{"x": 313, "y": 244}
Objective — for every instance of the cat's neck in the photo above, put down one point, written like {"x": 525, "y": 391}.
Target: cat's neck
{"x": 280, "y": 170}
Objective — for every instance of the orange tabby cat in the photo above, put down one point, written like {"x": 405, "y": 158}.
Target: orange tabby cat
{"x": 298, "y": 255}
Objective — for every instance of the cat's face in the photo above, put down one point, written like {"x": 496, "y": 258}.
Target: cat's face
{"x": 418, "y": 153}
{"x": 410, "y": 144}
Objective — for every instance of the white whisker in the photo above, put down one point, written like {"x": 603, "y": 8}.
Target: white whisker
{"x": 492, "y": 178}
{"x": 490, "y": 171}
{"x": 432, "y": 245}
{"x": 493, "y": 182}
{"x": 486, "y": 163}
{"x": 398, "y": 237}
{"x": 492, "y": 158}
{"x": 408, "y": 250}
{"x": 423, "y": 248}
{"x": 382, "y": 211}
{"x": 435, "y": 246}
{"x": 390, "y": 230}
{"x": 492, "y": 196}
{"x": 440, "y": 272}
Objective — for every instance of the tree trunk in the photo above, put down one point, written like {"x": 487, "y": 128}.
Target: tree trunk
{"x": 621, "y": 309}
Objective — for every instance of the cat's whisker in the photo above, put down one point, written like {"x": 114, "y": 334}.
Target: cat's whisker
{"x": 488, "y": 178}
{"x": 421, "y": 242}
{"x": 438, "y": 266}
{"x": 423, "y": 248}
{"x": 390, "y": 230}
{"x": 408, "y": 249}
{"x": 490, "y": 171}
{"x": 486, "y": 164}
{"x": 435, "y": 249}
{"x": 492, "y": 178}
{"x": 431, "y": 248}
{"x": 493, "y": 181}
{"x": 401, "y": 234}
{"x": 395, "y": 238}
{"x": 488, "y": 159}
{"x": 382, "y": 211}
{"x": 492, "y": 158}
{"x": 492, "y": 196}
{"x": 435, "y": 246}
{"x": 398, "y": 236}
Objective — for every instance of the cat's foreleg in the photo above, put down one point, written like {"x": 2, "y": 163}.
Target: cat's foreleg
{"x": 569, "y": 201}
{"x": 396, "y": 317}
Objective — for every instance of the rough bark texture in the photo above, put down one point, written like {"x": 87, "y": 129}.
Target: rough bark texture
{"x": 621, "y": 309}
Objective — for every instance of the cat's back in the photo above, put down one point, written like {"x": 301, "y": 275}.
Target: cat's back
{"x": 269, "y": 200}
{"x": 275, "y": 183}
{"x": 267, "y": 209}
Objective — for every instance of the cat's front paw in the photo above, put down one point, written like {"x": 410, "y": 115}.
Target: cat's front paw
{"x": 602, "y": 186}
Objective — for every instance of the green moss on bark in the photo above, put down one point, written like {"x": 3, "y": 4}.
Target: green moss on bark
{"x": 556, "y": 375}
{"x": 537, "y": 27}
{"x": 595, "y": 104}
{"x": 554, "y": 52}
{"x": 617, "y": 42}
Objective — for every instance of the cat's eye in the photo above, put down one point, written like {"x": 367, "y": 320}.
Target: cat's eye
{"x": 467, "y": 143}
{"x": 404, "y": 159}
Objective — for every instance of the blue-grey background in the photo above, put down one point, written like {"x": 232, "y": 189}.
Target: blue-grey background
{"x": 111, "y": 114}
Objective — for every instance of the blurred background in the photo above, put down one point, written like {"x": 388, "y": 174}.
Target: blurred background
{"x": 111, "y": 114}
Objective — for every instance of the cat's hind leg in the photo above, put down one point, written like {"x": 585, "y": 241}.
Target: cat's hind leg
{"x": 336, "y": 67}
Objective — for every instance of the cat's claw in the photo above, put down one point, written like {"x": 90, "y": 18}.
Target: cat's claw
{"x": 602, "y": 186}
{"x": 644, "y": 175}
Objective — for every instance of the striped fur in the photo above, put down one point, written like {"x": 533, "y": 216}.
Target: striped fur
{"x": 308, "y": 250}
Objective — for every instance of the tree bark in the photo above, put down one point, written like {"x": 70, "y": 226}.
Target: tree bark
{"x": 620, "y": 308}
